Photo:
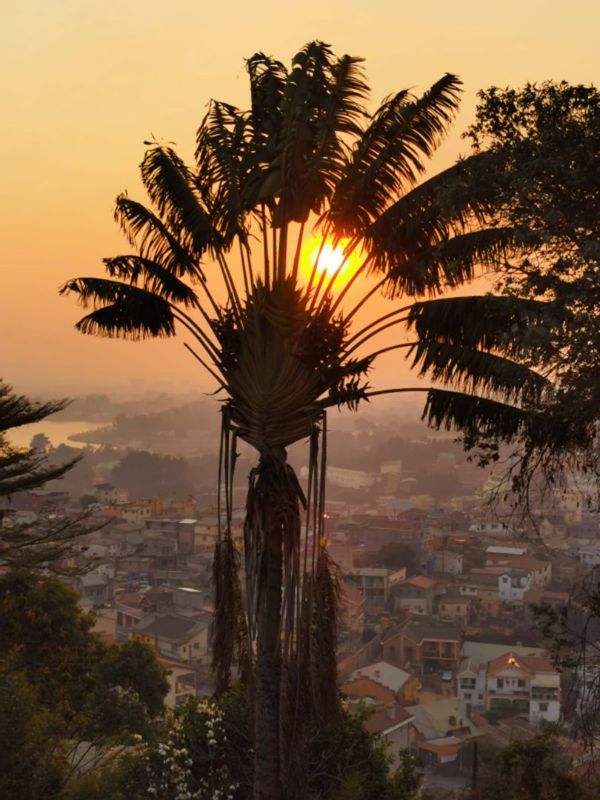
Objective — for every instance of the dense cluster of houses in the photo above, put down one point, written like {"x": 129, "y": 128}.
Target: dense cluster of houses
{"x": 438, "y": 648}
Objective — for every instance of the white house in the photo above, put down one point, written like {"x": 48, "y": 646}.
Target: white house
{"x": 512, "y": 585}
{"x": 524, "y": 685}
{"x": 470, "y": 683}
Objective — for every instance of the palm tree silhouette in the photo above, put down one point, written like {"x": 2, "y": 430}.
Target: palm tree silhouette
{"x": 282, "y": 350}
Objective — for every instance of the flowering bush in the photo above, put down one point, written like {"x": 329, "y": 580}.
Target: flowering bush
{"x": 190, "y": 764}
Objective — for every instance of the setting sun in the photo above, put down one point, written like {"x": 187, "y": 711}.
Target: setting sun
{"x": 331, "y": 261}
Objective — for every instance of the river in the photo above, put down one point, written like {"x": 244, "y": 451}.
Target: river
{"x": 58, "y": 432}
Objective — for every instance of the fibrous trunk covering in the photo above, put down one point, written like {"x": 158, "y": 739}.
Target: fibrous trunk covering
{"x": 281, "y": 631}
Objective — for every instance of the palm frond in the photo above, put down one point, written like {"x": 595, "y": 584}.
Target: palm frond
{"x": 222, "y": 153}
{"x": 473, "y": 370}
{"x": 121, "y": 310}
{"x": 152, "y": 277}
{"x": 389, "y": 155}
{"x": 474, "y": 415}
{"x": 515, "y": 326}
{"x": 451, "y": 262}
{"x": 341, "y": 118}
{"x": 171, "y": 187}
{"x": 151, "y": 236}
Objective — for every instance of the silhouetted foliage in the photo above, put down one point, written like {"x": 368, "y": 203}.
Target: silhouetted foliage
{"x": 145, "y": 474}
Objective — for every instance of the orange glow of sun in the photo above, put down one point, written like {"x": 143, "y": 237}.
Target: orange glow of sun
{"x": 333, "y": 263}
{"x": 331, "y": 259}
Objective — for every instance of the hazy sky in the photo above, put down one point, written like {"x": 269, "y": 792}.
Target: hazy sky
{"x": 84, "y": 82}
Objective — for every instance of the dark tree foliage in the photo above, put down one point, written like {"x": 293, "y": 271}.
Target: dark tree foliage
{"x": 534, "y": 346}
{"x": 533, "y": 769}
{"x": 145, "y": 474}
{"x": 21, "y": 470}
{"x": 93, "y": 690}
{"x": 32, "y": 761}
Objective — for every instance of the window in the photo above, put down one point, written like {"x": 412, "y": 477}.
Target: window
{"x": 543, "y": 706}
{"x": 521, "y": 684}
{"x": 500, "y": 683}
{"x": 468, "y": 695}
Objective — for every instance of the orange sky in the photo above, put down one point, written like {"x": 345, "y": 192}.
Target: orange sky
{"x": 84, "y": 82}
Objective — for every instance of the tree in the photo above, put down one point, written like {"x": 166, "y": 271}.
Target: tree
{"x": 32, "y": 762}
{"x": 532, "y": 349}
{"x": 533, "y": 769}
{"x": 145, "y": 474}
{"x": 306, "y": 155}
{"x": 96, "y": 692}
{"x": 21, "y": 470}
{"x": 25, "y": 544}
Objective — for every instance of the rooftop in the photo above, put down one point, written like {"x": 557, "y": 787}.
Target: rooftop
{"x": 386, "y": 719}
{"x": 171, "y": 626}
{"x": 482, "y": 652}
{"x": 421, "y": 581}
{"x": 393, "y": 678}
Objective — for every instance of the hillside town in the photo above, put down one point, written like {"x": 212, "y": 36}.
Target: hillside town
{"x": 439, "y": 637}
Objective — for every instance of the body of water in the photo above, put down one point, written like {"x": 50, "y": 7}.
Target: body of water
{"x": 58, "y": 432}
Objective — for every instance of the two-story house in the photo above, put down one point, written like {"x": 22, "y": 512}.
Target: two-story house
{"x": 512, "y": 585}
{"x": 416, "y": 594}
{"x": 181, "y": 638}
{"x": 528, "y": 685}
{"x": 373, "y": 583}
{"x": 425, "y": 646}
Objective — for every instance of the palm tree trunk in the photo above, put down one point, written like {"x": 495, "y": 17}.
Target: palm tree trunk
{"x": 267, "y": 783}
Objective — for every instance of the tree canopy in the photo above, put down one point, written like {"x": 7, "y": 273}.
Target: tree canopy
{"x": 532, "y": 349}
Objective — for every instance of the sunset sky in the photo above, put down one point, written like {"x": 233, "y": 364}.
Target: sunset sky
{"x": 84, "y": 82}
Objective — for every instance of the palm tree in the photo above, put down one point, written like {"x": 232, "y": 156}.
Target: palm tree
{"x": 305, "y": 157}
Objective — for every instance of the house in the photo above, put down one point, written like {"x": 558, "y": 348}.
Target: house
{"x": 180, "y": 638}
{"x": 470, "y": 683}
{"x": 182, "y": 683}
{"x": 393, "y": 724}
{"x": 484, "y": 589}
{"x": 513, "y": 584}
{"x": 441, "y": 728}
{"x": 97, "y": 589}
{"x": 524, "y": 685}
{"x": 206, "y": 530}
{"x": 416, "y": 594}
{"x": 400, "y": 685}
{"x": 448, "y": 562}
{"x": 140, "y": 510}
{"x": 350, "y": 478}
{"x": 425, "y": 645}
{"x": 456, "y": 606}
{"x": 373, "y": 583}
{"x": 351, "y": 605}
{"x": 540, "y": 571}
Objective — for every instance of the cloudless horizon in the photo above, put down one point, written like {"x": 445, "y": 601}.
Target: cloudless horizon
{"x": 83, "y": 84}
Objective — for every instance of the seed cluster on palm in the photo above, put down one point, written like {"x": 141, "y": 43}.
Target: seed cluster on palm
{"x": 305, "y": 159}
